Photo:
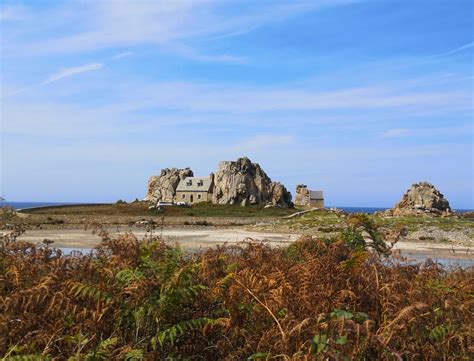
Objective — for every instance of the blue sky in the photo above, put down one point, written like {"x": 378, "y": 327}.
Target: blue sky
{"x": 357, "y": 98}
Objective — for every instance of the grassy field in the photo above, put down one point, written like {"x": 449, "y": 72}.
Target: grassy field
{"x": 314, "y": 300}
{"x": 316, "y": 219}
{"x": 141, "y": 209}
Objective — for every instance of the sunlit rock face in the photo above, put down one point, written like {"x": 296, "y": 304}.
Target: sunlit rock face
{"x": 243, "y": 182}
{"x": 302, "y": 196}
{"x": 163, "y": 187}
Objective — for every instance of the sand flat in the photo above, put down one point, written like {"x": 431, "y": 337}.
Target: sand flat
{"x": 204, "y": 237}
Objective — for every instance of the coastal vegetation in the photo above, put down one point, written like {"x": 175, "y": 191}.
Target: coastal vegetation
{"x": 338, "y": 298}
{"x": 338, "y": 219}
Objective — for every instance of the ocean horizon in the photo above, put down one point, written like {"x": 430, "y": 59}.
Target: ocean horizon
{"x": 348, "y": 209}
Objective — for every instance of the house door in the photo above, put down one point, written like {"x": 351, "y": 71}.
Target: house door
{"x": 192, "y": 198}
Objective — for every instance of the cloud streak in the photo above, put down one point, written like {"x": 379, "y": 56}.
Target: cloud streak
{"x": 61, "y": 74}
{"x": 459, "y": 49}
{"x": 427, "y": 132}
{"x": 125, "y": 54}
{"x": 68, "y": 72}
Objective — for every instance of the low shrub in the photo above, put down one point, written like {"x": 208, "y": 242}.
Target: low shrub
{"x": 142, "y": 299}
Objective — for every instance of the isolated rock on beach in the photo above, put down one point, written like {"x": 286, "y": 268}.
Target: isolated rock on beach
{"x": 243, "y": 182}
{"x": 422, "y": 198}
{"x": 163, "y": 187}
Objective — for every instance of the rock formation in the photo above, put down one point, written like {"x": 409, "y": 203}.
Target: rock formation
{"x": 302, "y": 197}
{"x": 163, "y": 187}
{"x": 240, "y": 182}
{"x": 243, "y": 182}
{"x": 422, "y": 198}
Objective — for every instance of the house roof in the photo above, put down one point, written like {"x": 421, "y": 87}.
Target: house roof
{"x": 316, "y": 195}
{"x": 195, "y": 184}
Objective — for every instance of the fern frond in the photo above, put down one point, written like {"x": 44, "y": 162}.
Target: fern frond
{"x": 170, "y": 334}
{"x": 103, "y": 350}
{"x": 80, "y": 289}
{"x": 127, "y": 276}
{"x": 135, "y": 355}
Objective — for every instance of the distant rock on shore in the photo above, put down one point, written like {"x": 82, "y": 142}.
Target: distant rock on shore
{"x": 422, "y": 198}
{"x": 163, "y": 187}
{"x": 243, "y": 182}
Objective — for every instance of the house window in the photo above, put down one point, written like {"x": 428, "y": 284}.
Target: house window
{"x": 183, "y": 196}
{"x": 199, "y": 196}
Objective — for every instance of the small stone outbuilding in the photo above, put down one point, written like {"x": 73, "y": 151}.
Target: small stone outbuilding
{"x": 308, "y": 198}
{"x": 195, "y": 190}
{"x": 316, "y": 199}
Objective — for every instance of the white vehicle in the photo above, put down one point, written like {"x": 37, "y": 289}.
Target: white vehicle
{"x": 161, "y": 204}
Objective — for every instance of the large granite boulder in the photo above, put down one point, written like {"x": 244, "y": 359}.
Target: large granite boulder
{"x": 422, "y": 198}
{"x": 279, "y": 195}
{"x": 163, "y": 187}
{"x": 243, "y": 182}
{"x": 302, "y": 197}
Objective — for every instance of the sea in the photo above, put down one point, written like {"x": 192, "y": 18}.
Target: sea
{"x": 25, "y": 205}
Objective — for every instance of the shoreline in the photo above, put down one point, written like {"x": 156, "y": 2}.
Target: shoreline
{"x": 205, "y": 237}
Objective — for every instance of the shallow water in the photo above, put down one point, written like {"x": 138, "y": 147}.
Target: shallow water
{"x": 413, "y": 258}
{"x": 409, "y": 257}
{"x": 74, "y": 251}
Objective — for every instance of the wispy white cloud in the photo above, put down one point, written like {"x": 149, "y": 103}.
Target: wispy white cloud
{"x": 121, "y": 55}
{"x": 163, "y": 23}
{"x": 191, "y": 53}
{"x": 13, "y": 13}
{"x": 427, "y": 132}
{"x": 396, "y": 133}
{"x": 200, "y": 97}
{"x": 61, "y": 74}
{"x": 67, "y": 72}
{"x": 459, "y": 49}
{"x": 262, "y": 141}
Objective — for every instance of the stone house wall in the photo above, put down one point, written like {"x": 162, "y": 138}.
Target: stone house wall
{"x": 193, "y": 197}
{"x": 317, "y": 203}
